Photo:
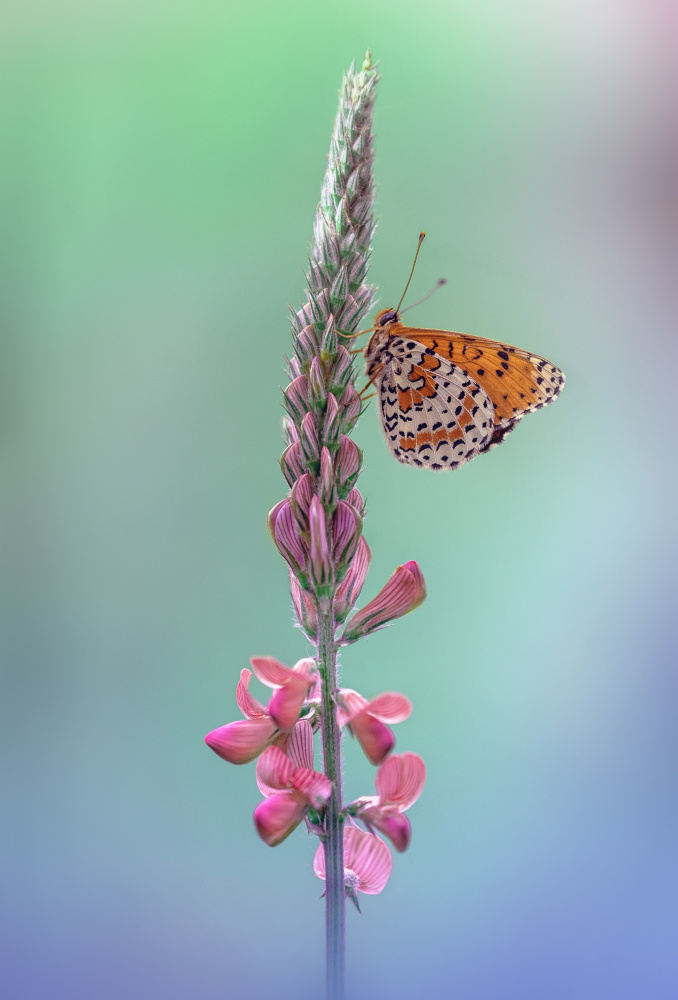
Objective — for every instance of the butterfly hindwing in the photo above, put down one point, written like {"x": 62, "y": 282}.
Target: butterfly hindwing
{"x": 432, "y": 413}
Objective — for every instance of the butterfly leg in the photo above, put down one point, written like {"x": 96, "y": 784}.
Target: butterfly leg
{"x": 376, "y": 374}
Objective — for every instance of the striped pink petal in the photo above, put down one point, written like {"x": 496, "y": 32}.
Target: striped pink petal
{"x": 286, "y": 704}
{"x": 274, "y": 771}
{"x": 390, "y": 707}
{"x": 242, "y": 741}
{"x": 400, "y": 780}
{"x": 270, "y": 671}
{"x": 403, "y": 592}
{"x": 315, "y": 787}
{"x": 292, "y": 463}
{"x": 248, "y": 705}
{"x": 304, "y": 607}
{"x": 348, "y": 591}
{"x": 367, "y": 861}
{"x": 285, "y": 531}
{"x": 276, "y": 817}
{"x": 347, "y": 526}
{"x": 321, "y": 569}
{"x": 349, "y": 704}
{"x": 374, "y": 737}
{"x": 394, "y": 825}
{"x": 299, "y": 744}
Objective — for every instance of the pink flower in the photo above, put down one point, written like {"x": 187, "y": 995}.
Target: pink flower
{"x": 242, "y": 741}
{"x": 403, "y": 592}
{"x": 366, "y": 720}
{"x": 399, "y": 782}
{"x": 291, "y": 788}
{"x": 367, "y": 862}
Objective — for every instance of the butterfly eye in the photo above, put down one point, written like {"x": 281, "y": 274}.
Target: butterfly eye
{"x": 388, "y": 317}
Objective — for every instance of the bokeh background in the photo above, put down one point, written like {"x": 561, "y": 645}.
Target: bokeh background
{"x": 161, "y": 165}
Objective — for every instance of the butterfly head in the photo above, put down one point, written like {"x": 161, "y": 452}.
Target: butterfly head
{"x": 381, "y": 332}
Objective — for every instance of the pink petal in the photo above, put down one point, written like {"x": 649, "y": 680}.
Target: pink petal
{"x": 368, "y": 857}
{"x": 326, "y": 474}
{"x": 349, "y": 704}
{"x": 248, "y": 705}
{"x": 320, "y": 553}
{"x": 394, "y": 825}
{"x": 300, "y": 498}
{"x": 292, "y": 463}
{"x": 347, "y": 462}
{"x": 276, "y": 817}
{"x": 390, "y": 707}
{"x": 304, "y": 607}
{"x": 348, "y": 591}
{"x": 315, "y": 787}
{"x": 374, "y": 737}
{"x": 403, "y": 592}
{"x": 400, "y": 780}
{"x": 356, "y": 501}
{"x": 319, "y": 861}
{"x": 286, "y": 704}
{"x": 274, "y": 771}
{"x": 286, "y": 535}
{"x": 296, "y": 396}
{"x": 270, "y": 671}
{"x": 347, "y": 526}
{"x": 299, "y": 744}
{"x": 242, "y": 741}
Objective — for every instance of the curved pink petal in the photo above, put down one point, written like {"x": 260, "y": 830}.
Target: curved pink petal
{"x": 400, "y": 780}
{"x": 287, "y": 702}
{"x": 319, "y": 861}
{"x": 242, "y": 741}
{"x": 304, "y": 607}
{"x": 349, "y": 704}
{"x": 270, "y": 671}
{"x": 285, "y": 532}
{"x": 320, "y": 553}
{"x": 394, "y": 825}
{"x": 276, "y": 817}
{"x": 368, "y": 857}
{"x": 305, "y": 668}
{"x": 315, "y": 787}
{"x": 403, "y": 592}
{"x": 274, "y": 771}
{"x": 247, "y": 703}
{"x": 356, "y": 501}
{"x": 390, "y": 707}
{"x": 348, "y": 591}
{"x": 374, "y": 737}
{"x": 299, "y": 744}
{"x": 347, "y": 526}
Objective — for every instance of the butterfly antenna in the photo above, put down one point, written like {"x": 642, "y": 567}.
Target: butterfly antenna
{"x": 414, "y": 264}
{"x": 438, "y": 284}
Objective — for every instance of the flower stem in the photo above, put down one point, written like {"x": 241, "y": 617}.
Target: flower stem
{"x": 335, "y": 896}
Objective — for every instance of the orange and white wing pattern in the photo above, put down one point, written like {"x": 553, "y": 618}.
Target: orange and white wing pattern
{"x": 432, "y": 414}
{"x": 516, "y": 381}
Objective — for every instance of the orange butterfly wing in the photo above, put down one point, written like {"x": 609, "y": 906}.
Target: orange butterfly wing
{"x": 516, "y": 381}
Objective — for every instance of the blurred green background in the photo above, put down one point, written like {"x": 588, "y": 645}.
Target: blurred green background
{"x": 161, "y": 165}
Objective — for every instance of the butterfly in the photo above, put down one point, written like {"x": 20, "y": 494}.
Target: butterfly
{"x": 446, "y": 397}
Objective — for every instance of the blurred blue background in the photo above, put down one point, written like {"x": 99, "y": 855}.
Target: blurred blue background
{"x": 161, "y": 167}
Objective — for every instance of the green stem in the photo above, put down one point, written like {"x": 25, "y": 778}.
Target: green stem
{"x": 335, "y": 896}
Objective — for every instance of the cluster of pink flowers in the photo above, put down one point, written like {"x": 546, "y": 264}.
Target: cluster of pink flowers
{"x": 281, "y": 733}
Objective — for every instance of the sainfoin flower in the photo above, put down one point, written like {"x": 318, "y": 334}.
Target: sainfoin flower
{"x": 367, "y": 862}
{"x": 291, "y": 788}
{"x": 366, "y": 720}
{"x": 404, "y": 591}
{"x": 242, "y": 741}
{"x": 399, "y": 783}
